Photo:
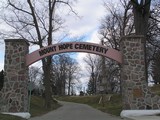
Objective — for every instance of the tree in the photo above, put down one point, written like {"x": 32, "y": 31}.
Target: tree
{"x": 66, "y": 71}
{"x": 35, "y": 77}
{"x": 147, "y": 27}
{"x": 60, "y": 71}
{"x": 73, "y": 73}
{"x": 120, "y": 21}
{"x": 36, "y": 22}
{"x": 155, "y": 68}
{"x": 141, "y": 11}
{"x": 90, "y": 87}
{"x": 93, "y": 67}
{"x": 1, "y": 79}
{"x": 35, "y": 74}
{"x": 117, "y": 23}
{"x": 153, "y": 35}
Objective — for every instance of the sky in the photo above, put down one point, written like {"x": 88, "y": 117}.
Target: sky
{"x": 90, "y": 12}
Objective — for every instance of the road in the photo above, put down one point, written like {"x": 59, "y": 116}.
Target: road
{"x": 75, "y": 111}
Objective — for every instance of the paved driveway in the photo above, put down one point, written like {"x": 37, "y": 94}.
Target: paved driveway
{"x": 75, "y": 111}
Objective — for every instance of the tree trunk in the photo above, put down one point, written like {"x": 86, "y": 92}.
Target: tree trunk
{"x": 69, "y": 84}
{"x": 141, "y": 13}
{"x": 141, "y": 16}
{"x": 46, "y": 68}
{"x": 104, "y": 74}
{"x": 63, "y": 86}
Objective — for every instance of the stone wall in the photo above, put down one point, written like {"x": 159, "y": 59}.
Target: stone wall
{"x": 136, "y": 94}
{"x": 135, "y": 91}
{"x": 14, "y": 95}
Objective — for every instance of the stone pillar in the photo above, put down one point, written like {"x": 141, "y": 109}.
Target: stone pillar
{"x": 14, "y": 95}
{"x": 135, "y": 91}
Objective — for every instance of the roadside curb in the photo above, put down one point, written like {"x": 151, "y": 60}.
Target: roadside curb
{"x": 140, "y": 114}
{"x": 143, "y": 118}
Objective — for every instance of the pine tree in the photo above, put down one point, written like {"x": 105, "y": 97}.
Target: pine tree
{"x": 1, "y": 79}
{"x": 90, "y": 89}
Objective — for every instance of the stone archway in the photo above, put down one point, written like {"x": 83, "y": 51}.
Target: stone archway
{"x": 135, "y": 92}
{"x": 73, "y": 47}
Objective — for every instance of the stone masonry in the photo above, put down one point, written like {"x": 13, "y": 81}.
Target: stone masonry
{"x": 136, "y": 94}
{"x": 135, "y": 91}
{"x": 14, "y": 95}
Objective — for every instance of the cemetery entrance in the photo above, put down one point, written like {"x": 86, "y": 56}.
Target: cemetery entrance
{"x": 135, "y": 92}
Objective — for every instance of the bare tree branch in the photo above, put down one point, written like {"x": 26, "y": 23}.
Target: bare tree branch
{"x": 17, "y": 8}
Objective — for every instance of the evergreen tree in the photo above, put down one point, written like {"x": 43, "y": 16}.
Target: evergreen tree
{"x": 90, "y": 89}
{"x": 1, "y": 79}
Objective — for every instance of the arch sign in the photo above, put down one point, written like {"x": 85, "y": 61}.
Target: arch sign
{"x": 73, "y": 47}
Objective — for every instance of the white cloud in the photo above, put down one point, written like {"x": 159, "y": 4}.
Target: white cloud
{"x": 80, "y": 56}
{"x": 91, "y": 11}
{"x": 94, "y": 37}
{"x": 2, "y": 50}
{"x": 1, "y": 65}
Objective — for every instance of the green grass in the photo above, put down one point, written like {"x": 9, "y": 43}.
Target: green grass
{"x": 156, "y": 89}
{"x": 10, "y": 117}
{"x": 37, "y": 106}
{"x": 113, "y": 106}
{"x": 37, "y": 109}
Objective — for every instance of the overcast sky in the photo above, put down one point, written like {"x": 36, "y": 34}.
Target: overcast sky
{"x": 91, "y": 12}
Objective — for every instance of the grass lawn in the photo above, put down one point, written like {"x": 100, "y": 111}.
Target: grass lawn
{"x": 10, "y": 117}
{"x": 156, "y": 89}
{"x": 37, "y": 106}
{"x": 112, "y": 106}
{"x": 36, "y": 109}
